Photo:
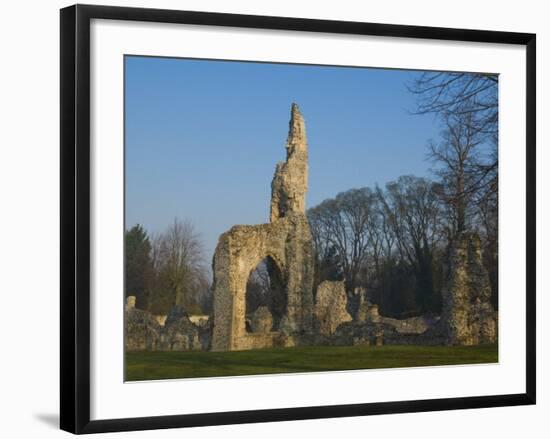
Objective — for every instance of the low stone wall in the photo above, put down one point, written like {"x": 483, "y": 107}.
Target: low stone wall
{"x": 263, "y": 340}
{"x": 361, "y": 333}
{"x": 144, "y": 333}
{"x": 412, "y": 325}
{"x": 180, "y": 335}
{"x": 141, "y": 330}
{"x": 321, "y": 340}
{"x": 260, "y": 321}
{"x": 431, "y": 337}
{"x": 382, "y": 330}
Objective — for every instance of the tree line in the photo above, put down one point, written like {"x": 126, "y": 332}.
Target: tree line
{"x": 392, "y": 243}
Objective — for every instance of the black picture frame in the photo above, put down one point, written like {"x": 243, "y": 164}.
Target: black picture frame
{"x": 75, "y": 217}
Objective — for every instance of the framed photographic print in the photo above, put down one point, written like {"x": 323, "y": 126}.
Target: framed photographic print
{"x": 286, "y": 218}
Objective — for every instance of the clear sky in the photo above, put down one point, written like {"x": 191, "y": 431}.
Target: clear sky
{"x": 203, "y": 137}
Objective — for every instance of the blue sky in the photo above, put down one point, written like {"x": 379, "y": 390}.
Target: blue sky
{"x": 203, "y": 137}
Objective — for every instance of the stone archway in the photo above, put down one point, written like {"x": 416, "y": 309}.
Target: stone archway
{"x": 286, "y": 239}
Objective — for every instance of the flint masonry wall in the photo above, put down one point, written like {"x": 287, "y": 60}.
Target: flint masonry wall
{"x": 330, "y": 306}
{"x": 468, "y": 318}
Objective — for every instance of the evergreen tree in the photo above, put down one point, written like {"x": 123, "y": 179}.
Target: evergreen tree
{"x": 139, "y": 268}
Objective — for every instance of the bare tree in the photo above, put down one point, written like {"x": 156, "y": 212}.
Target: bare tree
{"x": 180, "y": 260}
{"x": 413, "y": 210}
{"x": 466, "y": 103}
{"x": 258, "y": 287}
{"x": 459, "y": 93}
{"x": 469, "y": 101}
{"x": 347, "y": 225}
{"x": 457, "y": 158}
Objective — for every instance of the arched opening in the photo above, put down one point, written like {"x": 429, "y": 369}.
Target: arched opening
{"x": 265, "y": 290}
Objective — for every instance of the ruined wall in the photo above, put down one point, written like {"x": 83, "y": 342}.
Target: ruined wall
{"x": 412, "y": 325}
{"x": 261, "y": 320}
{"x": 141, "y": 330}
{"x": 144, "y": 333}
{"x": 286, "y": 240}
{"x": 467, "y": 317}
{"x": 367, "y": 312}
{"x": 180, "y": 335}
{"x": 330, "y": 306}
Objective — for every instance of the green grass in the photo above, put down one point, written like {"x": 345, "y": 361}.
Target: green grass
{"x": 164, "y": 365}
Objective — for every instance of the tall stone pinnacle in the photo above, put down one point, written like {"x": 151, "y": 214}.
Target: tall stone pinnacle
{"x": 296, "y": 140}
{"x": 289, "y": 185}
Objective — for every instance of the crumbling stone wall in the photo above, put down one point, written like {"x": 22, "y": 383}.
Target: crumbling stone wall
{"x": 330, "y": 306}
{"x": 467, "y": 318}
{"x": 144, "y": 333}
{"x": 286, "y": 240}
{"x": 412, "y": 325}
{"x": 360, "y": 333}
{"x": 181, "y": 335}
{"x": 261, "y": 320}
{"x": 367, "y": 312}
{"x": 141, "y": 330}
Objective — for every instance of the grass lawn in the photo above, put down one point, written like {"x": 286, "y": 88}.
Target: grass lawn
{"x": 163, "y": 365}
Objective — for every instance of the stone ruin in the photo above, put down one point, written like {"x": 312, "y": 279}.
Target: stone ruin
{"x": 261, "y": 320}
{"x": 467, "y": 317}
{"x": 367, "y": 312}
{"x": 330, "y": 307}
{"x": 141, "y": 329}
{"x": 287, "y": 243}
{"x": 143, "y": 332}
